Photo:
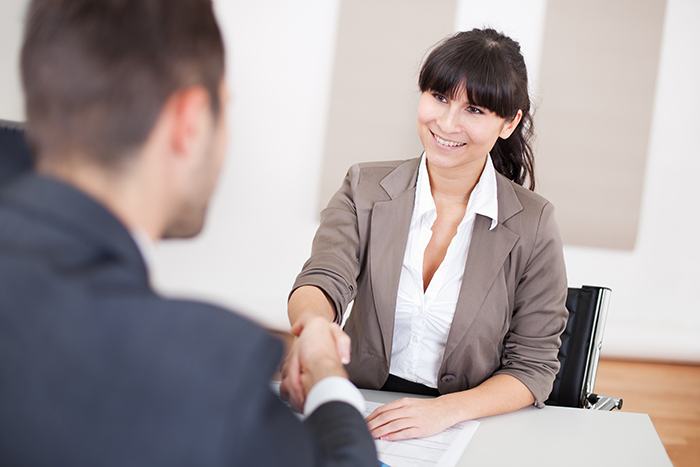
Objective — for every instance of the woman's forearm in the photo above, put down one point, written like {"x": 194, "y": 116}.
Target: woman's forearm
{"x": 416, "y": 418}
{"x": 308, "y": 301}
{"x": 497, "y": 395}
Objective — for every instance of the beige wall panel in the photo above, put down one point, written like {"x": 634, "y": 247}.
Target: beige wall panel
{"x": 379, "y": 48}
{"x": 597, "y": 85}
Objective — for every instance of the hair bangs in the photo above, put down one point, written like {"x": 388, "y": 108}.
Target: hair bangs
{"x": 477, "y": 69}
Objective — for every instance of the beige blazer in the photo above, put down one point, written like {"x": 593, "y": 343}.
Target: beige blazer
{"x": 511, "y": 307}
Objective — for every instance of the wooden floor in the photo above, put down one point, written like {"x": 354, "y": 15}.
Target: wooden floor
{"x": 669, "y": 393}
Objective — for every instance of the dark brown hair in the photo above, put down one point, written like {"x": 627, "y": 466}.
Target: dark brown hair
{"x": 96, "y": 74}
{"x": 491, "y": 68}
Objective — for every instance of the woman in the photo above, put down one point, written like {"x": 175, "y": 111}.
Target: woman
{"x": 456, "y": 270}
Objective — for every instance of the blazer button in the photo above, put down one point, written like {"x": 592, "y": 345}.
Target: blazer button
{"x": 447, "y": 378}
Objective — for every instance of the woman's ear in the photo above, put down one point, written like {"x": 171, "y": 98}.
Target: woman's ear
{"x": 510, "y": 125}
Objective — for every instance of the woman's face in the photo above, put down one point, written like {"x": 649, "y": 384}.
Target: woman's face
{"x": 455, "y": 133}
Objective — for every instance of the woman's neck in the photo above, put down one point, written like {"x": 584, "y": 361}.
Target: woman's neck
{"x": 454, "y": 184}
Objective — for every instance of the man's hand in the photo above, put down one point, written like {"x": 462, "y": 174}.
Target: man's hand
{"x": 320, "y": 351}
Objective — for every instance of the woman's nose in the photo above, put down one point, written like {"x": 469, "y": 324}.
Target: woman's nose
{"x": 448, "y": 121}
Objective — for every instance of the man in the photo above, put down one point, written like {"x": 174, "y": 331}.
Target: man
{"x": 126, "y": 111}
{"x": 14, "y": 154}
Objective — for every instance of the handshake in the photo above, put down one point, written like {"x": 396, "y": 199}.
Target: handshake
{"x": 319, "y": 352}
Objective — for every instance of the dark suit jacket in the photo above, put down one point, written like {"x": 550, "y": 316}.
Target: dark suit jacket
{"x": 98, "y": 370}
{"x": 510, "y": 310}
{"x": 15, "y": 156}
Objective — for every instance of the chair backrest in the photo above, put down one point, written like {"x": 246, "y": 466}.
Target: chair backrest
{"x": 15, "y": 155}
{"x": 580, "y": 346}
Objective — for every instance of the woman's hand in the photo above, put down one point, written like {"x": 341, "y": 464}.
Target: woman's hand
{"x": 412, "y": 418}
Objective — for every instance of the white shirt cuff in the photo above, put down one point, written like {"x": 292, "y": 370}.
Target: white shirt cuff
{"x": 333, "y": 388}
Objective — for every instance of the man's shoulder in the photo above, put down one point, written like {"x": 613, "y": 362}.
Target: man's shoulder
{"x": 198, "y": 329}
{"x": 125, "y": 320}
{"x": 62, "y": 281}
{"x": 217, "y": 321}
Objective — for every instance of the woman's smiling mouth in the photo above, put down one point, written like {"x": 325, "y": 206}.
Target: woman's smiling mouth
{"x": 446, "y": 142}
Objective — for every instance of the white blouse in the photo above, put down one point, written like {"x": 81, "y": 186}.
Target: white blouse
{"x": 422, "y": 320}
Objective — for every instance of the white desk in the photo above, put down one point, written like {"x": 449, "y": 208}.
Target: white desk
{"x": 556, "y": 436}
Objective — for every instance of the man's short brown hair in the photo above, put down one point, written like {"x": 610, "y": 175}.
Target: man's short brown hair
{"x": 96, "y": 73}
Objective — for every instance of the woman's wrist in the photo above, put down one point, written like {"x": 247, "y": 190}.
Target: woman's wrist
{"x": 460, "y": 406}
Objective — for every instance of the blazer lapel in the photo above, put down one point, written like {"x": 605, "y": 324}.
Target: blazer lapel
{"x": 390, "y": 224}
{"x": 488, "y": 251}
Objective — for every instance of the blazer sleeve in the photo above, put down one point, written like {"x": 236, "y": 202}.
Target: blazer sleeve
{"x": 268, "y": 433}
{"x": 539, "y": 313}
{"x": 334, "y": 264}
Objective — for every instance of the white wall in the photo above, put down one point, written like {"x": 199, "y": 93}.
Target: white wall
{"x": 11, "y": 104}
{"x": 264, "y": 214}
{"x": 521, "y": 20}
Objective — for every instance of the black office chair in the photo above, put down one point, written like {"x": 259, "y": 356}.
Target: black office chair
{"x": 580, "y": 351}
{"x": 15, "y": 155}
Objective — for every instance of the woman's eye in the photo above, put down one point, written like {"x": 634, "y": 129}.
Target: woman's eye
{"x": 440, "y": 98}
{"x": 474, "y": 110}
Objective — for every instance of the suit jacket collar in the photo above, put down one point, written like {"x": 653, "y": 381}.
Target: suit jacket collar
{"x": 69, "y": 209}
{"x": 508, "y": 202}
{"x": 401, "y": 179}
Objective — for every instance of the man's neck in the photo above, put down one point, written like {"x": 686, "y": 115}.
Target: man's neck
{"x": 123, "y": 195}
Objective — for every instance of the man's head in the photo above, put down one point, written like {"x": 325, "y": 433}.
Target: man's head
{"x": 107, "y": 82}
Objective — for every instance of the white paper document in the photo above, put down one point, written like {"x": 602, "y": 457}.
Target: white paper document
{"x": 441, "y": 450}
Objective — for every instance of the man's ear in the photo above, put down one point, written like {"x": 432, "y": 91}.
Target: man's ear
{"x": 510, "y": 125}
{"x": 189, "y": 110}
